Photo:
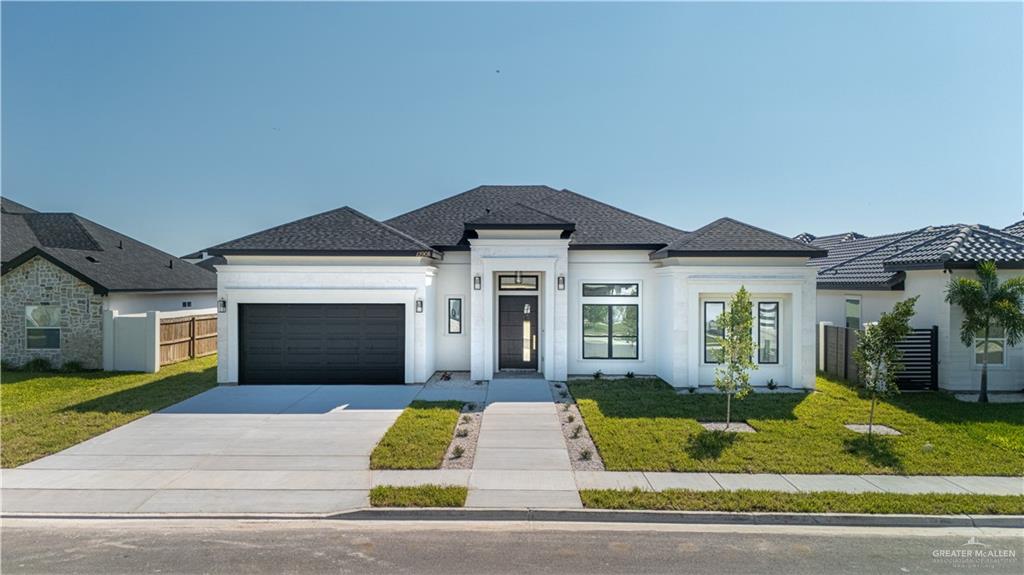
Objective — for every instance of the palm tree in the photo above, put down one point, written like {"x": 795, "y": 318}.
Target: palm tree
{"x": 988, "y": 304}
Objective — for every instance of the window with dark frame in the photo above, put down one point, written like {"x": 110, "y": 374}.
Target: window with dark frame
{"x": 518, "y": 282}
{"x": 714, "y": 331}
{"x": 455, "y": 315}
{"x": 768, "y": 332}
{"x": 611, "y": 290}
{"x": 611, "y": 331}
{"x": 42, "y": 326}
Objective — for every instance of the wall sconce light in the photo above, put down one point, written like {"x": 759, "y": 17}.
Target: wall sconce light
{"x": 477, "y": 283}
{"x": 561, "y": 283}
{"x": 222, "y": 305}
{"x": 419, "y": 306}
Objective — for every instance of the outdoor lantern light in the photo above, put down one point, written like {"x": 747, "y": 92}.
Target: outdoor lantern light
{"x": 419, "y": 306}
{"x": 222, "y": 305}
{"x": 561, "y": 283}
{"x": 477, "y": 282}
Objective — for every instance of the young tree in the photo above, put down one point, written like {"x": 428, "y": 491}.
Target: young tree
{"x": 988, "y": 306}
{"x": 878, "y": 357}
{"x": 736, "y": 352}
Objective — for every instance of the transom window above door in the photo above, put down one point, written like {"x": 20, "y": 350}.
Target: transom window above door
{"x": 611, "y": 290}
{"x": 518, "y": 282}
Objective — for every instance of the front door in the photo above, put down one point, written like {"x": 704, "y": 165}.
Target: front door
{"x": 517, "y": 332}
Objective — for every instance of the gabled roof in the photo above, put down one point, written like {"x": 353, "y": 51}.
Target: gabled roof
{"x": 598, "y": 225}
{"x": 107, "y": 260}
{"x": 343, "y": 231}
{"x": 880, "y": 262}
{"x": 518, "y": 216}
{"x": 726, "y": 237}
{"x": 1016, "y": 229}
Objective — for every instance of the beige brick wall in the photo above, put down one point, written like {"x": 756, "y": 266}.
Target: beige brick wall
{"x": 40, "y": 282}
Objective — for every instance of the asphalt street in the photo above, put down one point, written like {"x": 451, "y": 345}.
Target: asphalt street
{"x": 253, "y": 547}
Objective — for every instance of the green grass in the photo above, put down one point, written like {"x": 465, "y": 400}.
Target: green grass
{"x": 823, "y": 502}
{"x": 644, "y": 425}
{"x": 43, "y": 413}
{"x": 419, "y": 496}
{"x": 419, "y": 437}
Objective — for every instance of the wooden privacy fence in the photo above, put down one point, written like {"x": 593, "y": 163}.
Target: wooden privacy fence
{"x": 920, "y": 356}
{"x": 188, "y": 337}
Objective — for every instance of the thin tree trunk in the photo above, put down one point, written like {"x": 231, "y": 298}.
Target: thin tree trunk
{"x": 728, "y": 410}
{"x": 983, "y": 395}
{"x": 871, "y": 417}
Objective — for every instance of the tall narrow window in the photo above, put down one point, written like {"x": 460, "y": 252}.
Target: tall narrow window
{"x": 768, "y": 332}
{"x": 611, "y": 331}
{"x": 454, "y": 315}
{"x": 852, "y": 312}
{"x": 714, "y": 331}
{"x": 996, "y": 346}
{"x": 42, "y": 326}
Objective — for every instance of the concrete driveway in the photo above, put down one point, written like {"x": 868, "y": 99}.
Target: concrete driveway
{"x": 288, "y": 448}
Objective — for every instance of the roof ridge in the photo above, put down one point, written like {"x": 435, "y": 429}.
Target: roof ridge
{"x": 606, "y": 204}
{"x": 71, "y": 217}
{"x": 953, "y": 228}
{"x": 875, "y": 250}
{"x": 386, "y": 226}
{"x": 695, "y": 234}
{"x": 491, "y": 212}
{"x": 473, "y": 189}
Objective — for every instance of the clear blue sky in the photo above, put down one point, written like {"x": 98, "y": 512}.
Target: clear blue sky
{"x": 184, "y": 125}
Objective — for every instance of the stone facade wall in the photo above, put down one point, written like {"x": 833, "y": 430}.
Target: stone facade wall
{"x": 38, "y": 282}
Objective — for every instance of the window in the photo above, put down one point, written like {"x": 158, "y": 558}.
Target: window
{"x": 186, "y": 303}
{"x": 517, "y": 282}
{"x": 714, "y": 331}
{"x": 611, "y": 331}
{"x": 454, "y": 315}
{"x": 996, "y": 346}
{"x": 768, "y": 332}
{"x": 611, "y": 290}
{"x": 852, "y": 312}
{"x": 42, "y": 326}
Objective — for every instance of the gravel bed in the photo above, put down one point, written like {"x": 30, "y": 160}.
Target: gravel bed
{"x": 574, "y": 430}
{"x": 474, "y": 413}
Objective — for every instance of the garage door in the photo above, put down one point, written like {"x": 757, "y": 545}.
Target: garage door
{"x": 321, "y": 343}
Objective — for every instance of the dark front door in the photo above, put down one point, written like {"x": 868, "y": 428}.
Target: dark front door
{"x": 517, "y": 332}
{"x": 321, "y": 343}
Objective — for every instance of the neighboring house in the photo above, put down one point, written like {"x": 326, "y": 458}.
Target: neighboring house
{"x": 61, "y": 271}
{"x": 506, "y": 278}
{"x": 861, "y": 277}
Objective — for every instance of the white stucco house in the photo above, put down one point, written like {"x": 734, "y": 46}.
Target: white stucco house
{"x": 861, "y": 277}
{"x": 506, "y": 278}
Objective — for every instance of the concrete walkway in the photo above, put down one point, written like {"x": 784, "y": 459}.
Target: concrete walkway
{"x": 521, "y": 457}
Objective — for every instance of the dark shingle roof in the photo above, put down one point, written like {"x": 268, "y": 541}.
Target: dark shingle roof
{"x": 442, "y": 224}
{"x": 107, "y": 260}
{"x": 1016, "y": 229}
{"x": 517, "y": 215}
{"x": 9, "y": 206}
{"x": 879, "y": 262}
{"x": 729, "y": 237}
{"x": 343, "y": 231}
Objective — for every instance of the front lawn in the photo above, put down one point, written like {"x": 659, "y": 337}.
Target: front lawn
{"x": 418, "y": 496}
{"x": 43, "y": 413}
{"x": 419, "y": 437}
{"x": 643, "y": 424}
{"x": 746, "y": 500}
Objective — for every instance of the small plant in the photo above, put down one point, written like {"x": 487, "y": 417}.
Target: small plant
{"x": 772, "y": 385}
{"x": 478, "y": 382}
{"x": 9, "y": 366}
{"x": 563, "y": 394}
{"x": 576, "y": 430}
{"x": 558, "y": 386}
{"x": 570, "y": 418}
{"x": 878, "y": 357}
{"x": 598, "y": 374}
{"x": 466, "y": 419}
{"x": 735, "y": 350}
{"x": 458, "y": 451}
{"x": 471, "y": 406}
{"x": 38, "y": 364}
{"x": 586, "y": 454}
{"x": 691, "y": 390}
{"x": 72, "y": 366}
{"x": 630, "y": 375}
{"x": 446, "y": 376}
{"x": 462, "y": 432}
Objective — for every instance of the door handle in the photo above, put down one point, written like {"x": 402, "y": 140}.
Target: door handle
{"x": 534, "y": 343}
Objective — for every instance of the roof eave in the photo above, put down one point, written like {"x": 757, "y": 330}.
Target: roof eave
{"x": 661, "y": 254}
{"x": 431, "y": 253}
{"x": 568, "y": 227}
{"x": 33, "y": 252}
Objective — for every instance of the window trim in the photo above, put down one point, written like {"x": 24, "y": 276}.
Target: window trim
{"x": 536, "y": 279}
{"x": 778, "y": 331}
{"x": 704, "y": 329}
{"x": 974, "y": 350}
{"x": 583, "y": 288}
{"x": 448, "y": 314}
{"x": 860, "y": 311}
{"x": 29, "y": 328}
{"x": 610, "y": 337}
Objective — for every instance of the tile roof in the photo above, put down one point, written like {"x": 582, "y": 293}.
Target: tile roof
{"x": 343, "y": 231}
{"x": 442, "y": 224}
{"x": 961, "y": 246}
{"x": 1016, "y": 229}
{"x": 828, "y": 241}
{"x": 729, "y": 237}
{"x": 98, "y": 255}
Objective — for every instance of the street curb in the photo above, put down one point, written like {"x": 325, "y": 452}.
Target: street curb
{"x": 681, "y": 517}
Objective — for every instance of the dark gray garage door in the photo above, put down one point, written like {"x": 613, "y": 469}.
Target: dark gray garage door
{"x": 321, "y": 343}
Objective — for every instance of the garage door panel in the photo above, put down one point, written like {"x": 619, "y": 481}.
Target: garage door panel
{"x": 322, "y": 343}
